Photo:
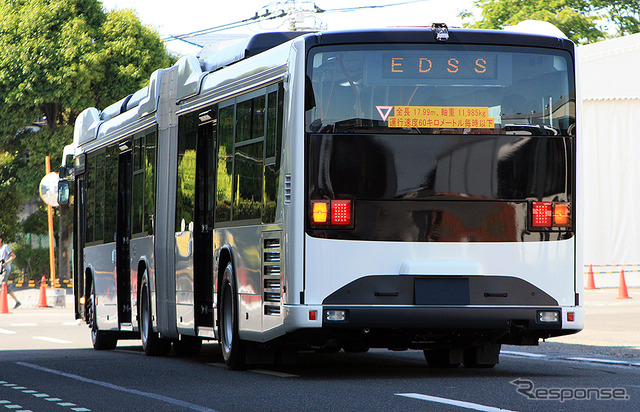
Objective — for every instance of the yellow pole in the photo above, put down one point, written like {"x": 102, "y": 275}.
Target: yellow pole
{"x": 52, "y": 260}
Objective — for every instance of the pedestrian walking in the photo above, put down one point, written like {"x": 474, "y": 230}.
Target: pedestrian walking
{"x": 6, "y": 256}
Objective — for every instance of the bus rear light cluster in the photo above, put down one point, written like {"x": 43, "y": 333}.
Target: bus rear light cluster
{"x": 331, "y": 212}
{"x": 550, "y": 214}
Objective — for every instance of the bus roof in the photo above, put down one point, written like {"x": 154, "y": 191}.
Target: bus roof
{"x": 192, "y": 69}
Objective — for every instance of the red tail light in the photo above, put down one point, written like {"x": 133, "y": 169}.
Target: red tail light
{"x": 341, "y": 212}
{"x": 550, "y": 214}
{"x": 334, "y": 212}
{"x": 541, "y": 214}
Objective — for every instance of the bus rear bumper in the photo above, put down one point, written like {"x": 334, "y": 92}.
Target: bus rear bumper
{"x": 555, "y": 319}
{"x": 428, "y": 326}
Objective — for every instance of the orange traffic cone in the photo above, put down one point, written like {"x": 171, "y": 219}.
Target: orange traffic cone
{"x": 623, "y": 293}
{"x": 4, "y": 304}
{"x": 42, "y": 301}
{"x": 591, "y": 284}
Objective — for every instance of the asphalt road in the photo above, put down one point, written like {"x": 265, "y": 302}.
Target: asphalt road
{"x": 46, "y": 364}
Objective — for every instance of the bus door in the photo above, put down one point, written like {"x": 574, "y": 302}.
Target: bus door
{"x": 123, "y": 236}
{"x": 78, "y": 245}
{"x": 203, "y": 219}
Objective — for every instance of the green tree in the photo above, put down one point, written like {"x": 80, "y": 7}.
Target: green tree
{"x": 9, "y": 199}
{"x": 58, "y": 57}
{"x": 579, "y": 19}
{"x": 623, "y": 14}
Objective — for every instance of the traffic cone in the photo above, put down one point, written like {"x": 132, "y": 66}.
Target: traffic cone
{"x": 4, "y": 304}
{"x": 623, "y": 293}
{"x": 591, "y": 284}
{"x": 42, "y": 301}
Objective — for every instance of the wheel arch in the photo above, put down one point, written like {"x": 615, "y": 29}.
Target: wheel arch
{"x": 225, "y": 257}
{"x": 89, "y": 279}
{"x": 143, "y": 265}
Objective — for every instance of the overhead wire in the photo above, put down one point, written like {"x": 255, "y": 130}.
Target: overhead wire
{"x": 278, "y": 13}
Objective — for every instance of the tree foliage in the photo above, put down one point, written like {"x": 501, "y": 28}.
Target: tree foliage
{"x": 581, "y": 20}
{"x": 58, "y": 57}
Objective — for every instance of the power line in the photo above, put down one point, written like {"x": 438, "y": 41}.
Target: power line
{"x": 278, "y": 11}
{"x": 379, "y": 6}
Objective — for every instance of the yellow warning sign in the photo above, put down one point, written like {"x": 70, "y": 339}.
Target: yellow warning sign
{"x": 441, "y": 116}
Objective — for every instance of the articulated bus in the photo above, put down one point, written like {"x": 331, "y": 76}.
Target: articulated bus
{"x": 396, "y": 188}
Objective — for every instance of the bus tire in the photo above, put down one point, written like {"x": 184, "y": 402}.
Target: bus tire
{"x": 187, "y": 345}
{"x": 232, "y": 347}
{"x": 442, "y": 357}
{"x": 482, "y": 357}
{"x": 152, "y": 343}
{"x": 100, "y": 339}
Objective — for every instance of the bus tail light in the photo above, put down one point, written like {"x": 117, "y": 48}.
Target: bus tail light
{"x": 550, "y": 214}
{"x": 331, "y": 212}
{"x": 319, "y": 212}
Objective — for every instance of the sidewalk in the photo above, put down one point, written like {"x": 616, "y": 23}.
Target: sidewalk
{"x": 30, "y": 297}
{"x": 609, "y": 321}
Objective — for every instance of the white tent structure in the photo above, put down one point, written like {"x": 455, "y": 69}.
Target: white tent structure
{"x": 609, "y": 81}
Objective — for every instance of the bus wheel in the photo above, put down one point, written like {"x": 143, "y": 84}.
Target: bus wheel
{"x": 152, "y": 344}
{"x": 443, "y": 357}
{"x": 482, "y": 357}
{"x": 100, "y": 339}
{"x": 230, "y": 343}
{"x": 187, "y": 346}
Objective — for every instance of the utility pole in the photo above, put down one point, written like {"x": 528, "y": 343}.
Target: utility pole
{"x": 297, "y": 13}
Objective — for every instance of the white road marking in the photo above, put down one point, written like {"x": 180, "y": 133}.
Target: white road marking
{"x": 52, "y": 340}
{"x": 274, "y": 373}
{"x": 108, "y": 385}
{"x": 7, "y": 332}
{"x": 523, "y": 354}
{"x": 461, "y": 404}
{"x": 9, "y": 405}
{"x": 605, "y": 361}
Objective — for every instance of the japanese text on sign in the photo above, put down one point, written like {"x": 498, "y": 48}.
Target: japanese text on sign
{"x": 441, "y": 116}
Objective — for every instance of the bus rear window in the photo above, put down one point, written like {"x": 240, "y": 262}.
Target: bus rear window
{"x": 429, "y": 89}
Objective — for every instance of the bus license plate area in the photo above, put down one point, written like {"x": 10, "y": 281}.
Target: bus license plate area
{"x": 441, "y": 291}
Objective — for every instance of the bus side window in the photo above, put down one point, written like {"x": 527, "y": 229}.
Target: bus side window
{"x": 225, "y": 164}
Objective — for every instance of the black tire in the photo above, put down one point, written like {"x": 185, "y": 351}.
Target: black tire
{"x": 101, "y": 340}
{"x": 152, "y": 343}
{"x": 484, "y": 357}
{"x": 356, "y": 348}
{"x": 233, "y": 348}
{"x": 187, "y": 346}
{"x": 440, "y": 358}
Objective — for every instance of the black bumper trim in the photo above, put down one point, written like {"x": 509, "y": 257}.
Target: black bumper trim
{"x": 441, "y": 317}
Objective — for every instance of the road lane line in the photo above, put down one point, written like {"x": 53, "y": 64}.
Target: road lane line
{"x": 7, "y": 332}
{"x": 273, "y": 373}
{"x": 52, "y": 340}
{"x": 608, "y": 362}
{"x": 605, "y": 361}
{"x": 108, "y": 385}
{"x": 522, "y": 354}
{"x": 461, "y": 404}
